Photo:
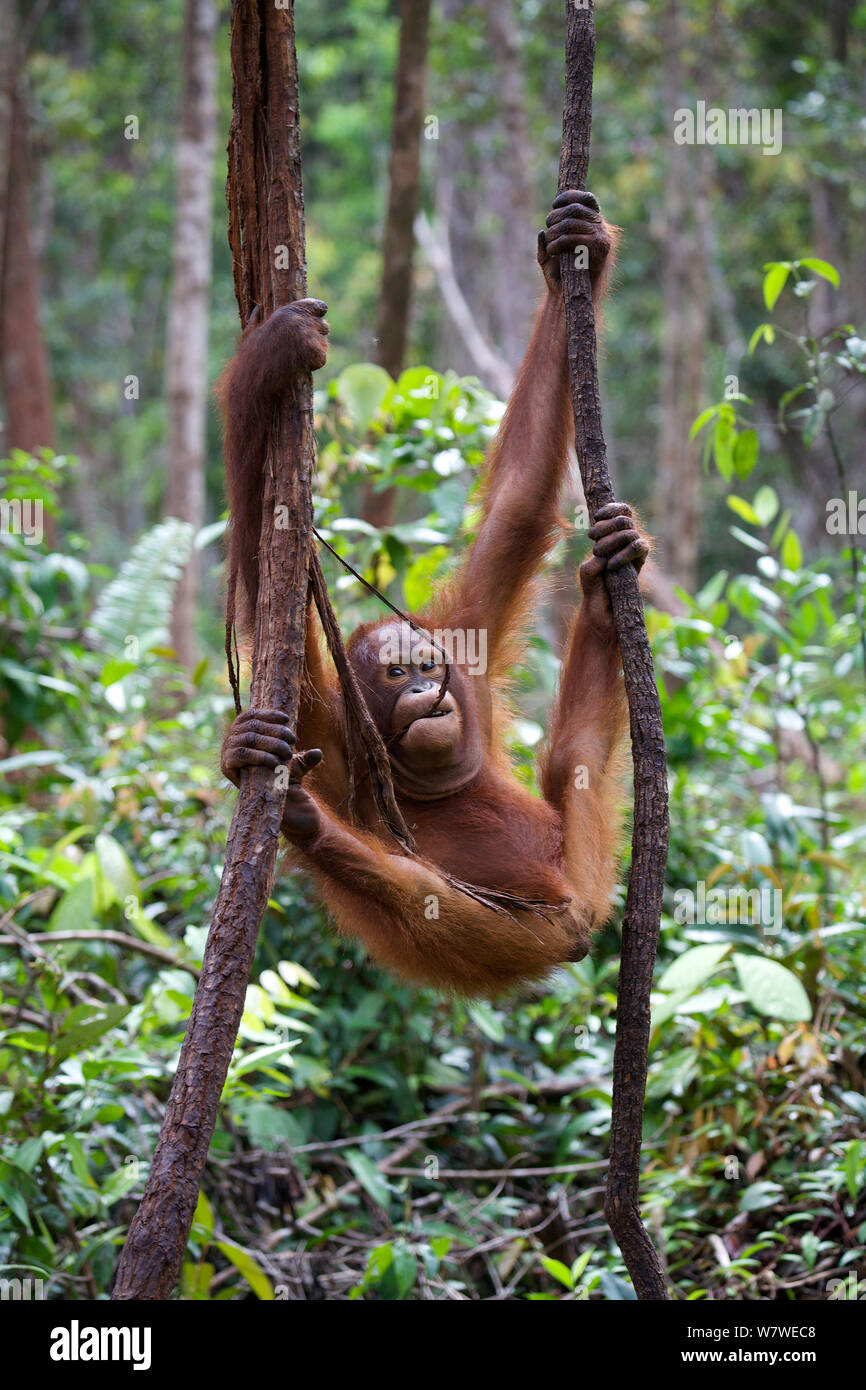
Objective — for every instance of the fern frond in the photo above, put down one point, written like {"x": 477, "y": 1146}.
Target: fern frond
{"x": 137, "y": 602}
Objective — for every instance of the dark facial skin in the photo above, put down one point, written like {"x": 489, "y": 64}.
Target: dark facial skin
{"x": 434, "y": 751}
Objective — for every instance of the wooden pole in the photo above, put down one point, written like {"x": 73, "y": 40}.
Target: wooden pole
{"x": 640, "y": 927}
{"x": 266, "y": 232}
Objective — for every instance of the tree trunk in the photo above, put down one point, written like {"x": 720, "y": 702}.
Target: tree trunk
{"x": 493, "y": 369}
{"x": 677, "y": 506}
{"x": 23, "y": 354}
{"x": 515, "y": 259}
{"x": 186, "y": 358}
{"x": 266, "y": 233}
{"x": 458, "y": 195}
{"x": 395, "y": 298}
{"x": 404, "y": 196}
{"x": 831, "y": 208}
{"x": 7, "y": 87}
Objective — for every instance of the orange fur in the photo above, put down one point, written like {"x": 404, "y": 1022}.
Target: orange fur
{"x": 490, "y": 832}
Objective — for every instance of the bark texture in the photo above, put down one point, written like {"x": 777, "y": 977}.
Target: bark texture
{"x": 23, "y": 354}
{"x": 186, "y": 371}
{"x": 678, "y": 486}
{"x": 266, "y": 233}
{"x": 640, "y": 927}
{"x": 8, "y": 67}
{"x": 404, "y": 197}
{"x": 404, "y": 192}
{"x": 514, "y": 262}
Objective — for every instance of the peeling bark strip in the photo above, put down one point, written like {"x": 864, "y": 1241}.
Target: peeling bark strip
{"x": 640, "y": 927}
{"x": 266, "y": 233}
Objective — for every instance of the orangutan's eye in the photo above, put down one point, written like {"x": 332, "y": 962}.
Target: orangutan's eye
{"x": 428, "y": 665}
{"x": 396, "y": 671}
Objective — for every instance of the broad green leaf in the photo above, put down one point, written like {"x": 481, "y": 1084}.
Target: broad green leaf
{"x": 353, "y": 525}
{"x": 80, "y": 1167}
{"x": 765, "y": 332}
{"x": 743, "y": 509}
{"x": 195, "y": 1281}
{"x": 772, "y": 989}
{"x": 208, "y": 534}
{"x": 760, "y": 1195}
{"x": 115, "y": 669}
{"x": 792, "y": 551}
{"x": 16, "y": 1202}
{"x": 774, "y": 281}
{"x": 668, "y": 1007}
{"x": 558, "y": 1270}
{"x": 119, "y": 1183}
{"x": 815, "y": 419}
{"x": 692, "y": 968}
{"x": 418, "y": 584}
{"x": 401, "y": 1274}
{"x": 203, "y": 1217}
{"x": 262, "y": 1058}
{"x": 486, "y": 1020}
{"x": 753, "y": 542}
{"x": 822, "y": 268}
{"x": 703, "y": 419}
{"x": 363, "y": 389}
{"x": 755, "y": 849}
{"x": 368, "y": 1175}
{"x": 712, "y": 590}
{"x": 28, "y": 1154}
{"x": 116, "y": 867}
{"x": 82, "y": 1026}
{"x": 723, "y": 446}
{"x": 38, "y": 757}
{"x": 674, "y": 1074}
{"x": 766, "y": 504}
{"x": 421, "y": 389}
{"x": 616, "y": 1289}
{"x": 74, "y": 911}
{"x": 29, "y": 679}
{"x": 781, "y": 527}
{"x": 852, "y": 1167}
{"x": 745, "y": 453}
{"x": 295, "y": 974}
{"x": 247, "y": 1266}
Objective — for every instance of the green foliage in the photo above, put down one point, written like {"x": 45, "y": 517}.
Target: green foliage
{"x": 111, "y": 816}
{"x": 134, "y": 610}
{"x": 111, "y": 823}
{"x": 422, "y": 436}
